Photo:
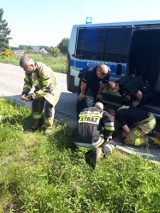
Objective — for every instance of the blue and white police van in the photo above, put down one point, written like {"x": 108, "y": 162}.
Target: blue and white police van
{"x": 126, "y": 47}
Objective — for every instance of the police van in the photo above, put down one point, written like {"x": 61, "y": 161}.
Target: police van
{"x": 126, "y": 47}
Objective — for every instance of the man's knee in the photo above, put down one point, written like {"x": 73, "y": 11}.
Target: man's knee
{"x": 143, "y": 141}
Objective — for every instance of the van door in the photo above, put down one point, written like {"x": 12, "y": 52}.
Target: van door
{"x": 116, "y": 55}
{"x": 116, "y": 49}
{"x": 144, "y": 60}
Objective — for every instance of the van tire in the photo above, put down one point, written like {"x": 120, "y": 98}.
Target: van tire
{"x": 89, "y": 101}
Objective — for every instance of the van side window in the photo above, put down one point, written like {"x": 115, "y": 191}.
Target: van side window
{"x": 90, "y": 44}
{"x": 117, "y": 44}
{"x": 110, "y": 44}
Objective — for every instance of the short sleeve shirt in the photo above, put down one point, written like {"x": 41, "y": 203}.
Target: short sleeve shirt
{"x": 130, "y": 116}
{"x": 90, "y": 76}
{"x": 131, "y": 86}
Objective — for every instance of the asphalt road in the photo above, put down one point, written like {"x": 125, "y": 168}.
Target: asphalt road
{"x": 11, "y": 83}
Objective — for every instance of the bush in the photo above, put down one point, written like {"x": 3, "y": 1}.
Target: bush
{"x": 55, "y": 51}
{"x": 7, "y": 53}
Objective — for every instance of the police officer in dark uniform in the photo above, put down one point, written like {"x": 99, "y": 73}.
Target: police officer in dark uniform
{"x": 95, "y": 126}
{"x": 94, "y": 77}
{"x": 133, "y": 89}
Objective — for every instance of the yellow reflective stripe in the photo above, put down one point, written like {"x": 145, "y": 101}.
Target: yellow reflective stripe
{"x": 36, "y": 116}
{"x": 89, "y": 119}
{"x": 137, "y": 142}
{"x": 45, "y": 82}
{"x": 40, "y": 95}
{"x": 100, "y": 143}
{"x": 27, "y": 86}
{"x": 26, "y": 79}
{"x": 109, "y": 128}
{"x": 36, "y": 82}
{"x": 90, "y": 115}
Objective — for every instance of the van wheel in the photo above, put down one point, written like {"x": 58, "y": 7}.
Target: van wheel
{"x": 89, "y": 101}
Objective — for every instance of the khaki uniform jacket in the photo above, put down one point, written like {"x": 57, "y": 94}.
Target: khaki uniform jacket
{"x": 45, "y": 83}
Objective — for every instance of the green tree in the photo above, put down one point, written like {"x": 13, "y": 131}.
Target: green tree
{"x": 55, "y": 51}
{"x": 63, "y": 45}
{"x": 4, "y": 32}
{"x": 26, "y": 48}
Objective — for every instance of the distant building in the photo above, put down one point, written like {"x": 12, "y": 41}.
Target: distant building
{"x": 43, "y": 51}
{"x": 35, "y": 49}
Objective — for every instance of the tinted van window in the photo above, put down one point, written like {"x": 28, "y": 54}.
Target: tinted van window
{"x": 90, "y": 44}
{"x": 103, "y": 44}
{"x": 117, "y": 44}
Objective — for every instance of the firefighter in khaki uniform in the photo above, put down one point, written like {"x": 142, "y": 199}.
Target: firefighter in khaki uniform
{"x": 136, "y": 125}
{"x": 46, "y": 93}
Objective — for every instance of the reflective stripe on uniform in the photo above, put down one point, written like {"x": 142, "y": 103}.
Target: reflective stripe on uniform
{"x": 93, "y": 114}
{"x": 26, "y": 79}
{"x": 95, "y": 144}
{"x": 109, "y": 128}
{"x": 27, "y": 86}
{"x": 90, "y": 117}
{"x": 109, "y": 123}
{"x": 36, "y": 116}
{"x": 111, "y": 147}
{"x": 45, "y": 82}
{"x": 36, "y": 83}
{"x": 137, "y": 142}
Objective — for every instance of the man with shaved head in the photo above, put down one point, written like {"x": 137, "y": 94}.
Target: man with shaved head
{"x": 95, "y": 78}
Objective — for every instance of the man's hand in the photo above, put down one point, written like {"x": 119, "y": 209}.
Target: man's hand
{"x": 29, "y": 98}
{"x": 124, "y": 135}
{"x": 125, "y": 131}
{"x": 99, "y": 97}
{"x": 26, "y": 97}
{"x": 81, "y": 96}
{"x": 135, "y": 103}
{"x": 23, "y": 96}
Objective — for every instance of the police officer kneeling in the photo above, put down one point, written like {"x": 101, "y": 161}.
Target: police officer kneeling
{"x": 95, "y": 127}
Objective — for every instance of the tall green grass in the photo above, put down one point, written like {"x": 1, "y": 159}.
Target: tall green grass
{"x": 58, "y": 64}
{"x": 45, "y": 174}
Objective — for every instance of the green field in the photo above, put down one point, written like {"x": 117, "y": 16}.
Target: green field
{"x": 45, "y": 174}
{"x": 58, "y": 64}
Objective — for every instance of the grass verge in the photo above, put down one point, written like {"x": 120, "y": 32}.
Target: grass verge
{"x": 58, "y": 64}
{"x": 41, "y": 173}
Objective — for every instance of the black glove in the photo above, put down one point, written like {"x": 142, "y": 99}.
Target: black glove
{"x": 26, "y": 97}
{"x": 23, "y": 96}
{"x": 29, "y": 98}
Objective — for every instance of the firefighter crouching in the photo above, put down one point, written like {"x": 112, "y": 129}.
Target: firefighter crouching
{"x": 46, "y": 93}
{"x": 136, "y": 124}
{"x": 95, "y": 127}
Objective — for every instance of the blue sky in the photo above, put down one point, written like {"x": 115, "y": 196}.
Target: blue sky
{"x": 47, "y": 22}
